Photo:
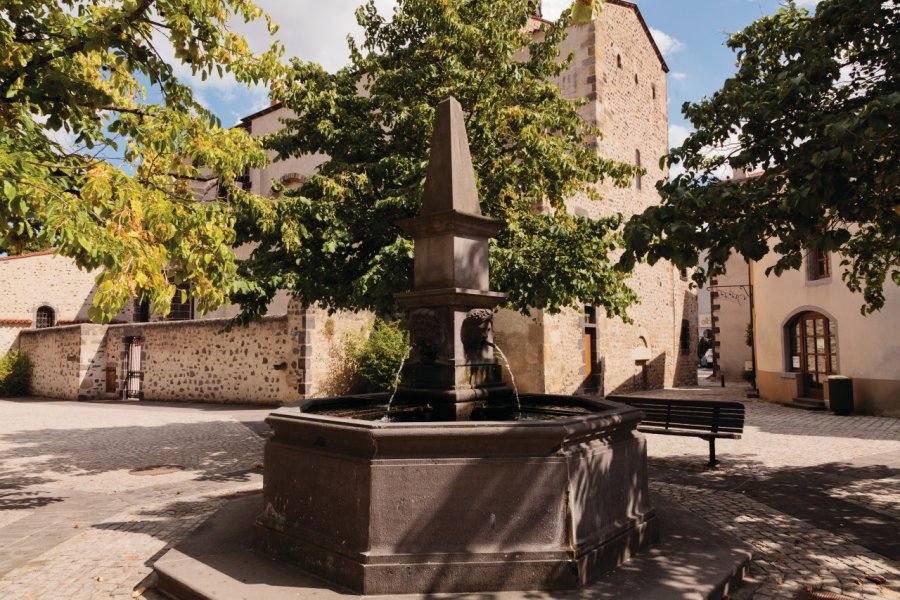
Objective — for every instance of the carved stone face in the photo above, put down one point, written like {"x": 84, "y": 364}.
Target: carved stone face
{"x": 476, "y": 330}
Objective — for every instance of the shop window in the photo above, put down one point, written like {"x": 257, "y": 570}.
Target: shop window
{"x": 818, "y": 264}
{"x": 45, "y": 317}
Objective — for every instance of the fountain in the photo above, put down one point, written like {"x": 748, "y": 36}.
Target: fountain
{"x": 455, "y": 489}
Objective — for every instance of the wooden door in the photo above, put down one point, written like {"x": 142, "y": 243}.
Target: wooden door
{"x": 817, "y": 354}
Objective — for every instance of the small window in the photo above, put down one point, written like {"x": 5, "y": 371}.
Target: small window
{"x": 637, "y": 161}
{"x": 619, "y": 60}
{"x": 685, "y": 337}
{"x": 653, "y": 90}
{"x": 590, "y": 315}
{"x": 182, "y": 307}
{"x": 683, "y": 273}
{"x": 635, "y": 79}
{"x": 46, "y": 317}
{"x": 141, "y": 311}
{"x": 818, "y": 265}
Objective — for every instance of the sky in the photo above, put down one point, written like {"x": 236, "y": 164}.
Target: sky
{"x": 690, "y": 33}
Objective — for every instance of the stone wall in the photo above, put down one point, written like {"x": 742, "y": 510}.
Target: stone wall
{"x": 55, "y": 354}
{"x": 618, "y": 70}
{"x": 731, "y": 315}
{"x": 199, "y": 361}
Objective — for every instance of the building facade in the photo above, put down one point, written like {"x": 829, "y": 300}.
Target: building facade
{"x": 295, "y": 352}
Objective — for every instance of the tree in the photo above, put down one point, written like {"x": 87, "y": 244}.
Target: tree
{"x": 337, "y": 243}
{"x": 84, "y": 69}
{"x": 814, "y": 104}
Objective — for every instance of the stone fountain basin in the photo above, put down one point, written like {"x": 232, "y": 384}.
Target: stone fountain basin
{"x": 392, "y": 508}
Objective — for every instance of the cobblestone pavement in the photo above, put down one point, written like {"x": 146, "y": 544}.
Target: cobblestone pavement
{"x": 816, "y": 495}
{"x": 76, "y": 520}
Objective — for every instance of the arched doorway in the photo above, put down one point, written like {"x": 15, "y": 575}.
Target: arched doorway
{"x": 813, "y": 352}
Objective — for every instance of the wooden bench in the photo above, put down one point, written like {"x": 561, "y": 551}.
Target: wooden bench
{"x": 707, "y": 419}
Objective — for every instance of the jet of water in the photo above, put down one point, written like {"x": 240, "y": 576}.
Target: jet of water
{"x": 397, "y": 378}
{"x": 512, "y": 378}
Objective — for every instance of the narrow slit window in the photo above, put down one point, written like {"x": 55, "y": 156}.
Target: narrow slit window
{"x": 637, "y": 161}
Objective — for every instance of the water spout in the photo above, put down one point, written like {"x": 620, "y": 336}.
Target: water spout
{"x": 397, "y": 376}
{"x": 512, "y": 378}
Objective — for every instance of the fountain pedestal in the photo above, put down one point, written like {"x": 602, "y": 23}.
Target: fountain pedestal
{"x": 455, "y": 504}
{"x": 452, "y": 364}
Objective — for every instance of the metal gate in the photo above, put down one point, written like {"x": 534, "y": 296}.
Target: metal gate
{"x": 134, "y": 377}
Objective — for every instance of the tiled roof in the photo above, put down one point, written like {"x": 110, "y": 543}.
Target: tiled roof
{"x": 25, "y": 322}
{"x": 27, "y": 255}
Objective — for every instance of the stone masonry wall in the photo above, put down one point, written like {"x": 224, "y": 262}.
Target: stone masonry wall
{"x": 198, "y": 361}
{"x": 56, "y": 357}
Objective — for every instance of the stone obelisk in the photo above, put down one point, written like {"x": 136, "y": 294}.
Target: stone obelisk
{"x": 452, "y": 365}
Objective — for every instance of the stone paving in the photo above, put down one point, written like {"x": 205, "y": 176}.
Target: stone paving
{"x": 75, "y": 523}
{"x": 827, "y": 463}
{"x": 813, "y": 493}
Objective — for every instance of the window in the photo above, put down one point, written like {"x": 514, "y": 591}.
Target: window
{"x": 653, "y": 90}
{"x": 45, "y": 317}
{"x": 818, "y": 265}
{"x": 141, "y": 311}
{"x": 683, "y": 274}
{"x": 619, "y": 60}
{"x": 182, "y": 307}
{"x": 812, "y": 351}
{"x": 637, "y": 161}
{"x": 590, "y": 315}
{"x": 635, "y": 79}
{"x": 685, "y": 337}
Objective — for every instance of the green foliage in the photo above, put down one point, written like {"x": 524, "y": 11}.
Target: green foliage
{"x": 15, "y": 374}
{"x": 378, "y": 356}
{"x": 83, "y": 69}
{"x": 814, "y": 103}
{"x": 337, "y": 244}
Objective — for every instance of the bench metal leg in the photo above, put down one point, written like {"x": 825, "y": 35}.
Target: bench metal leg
{"x": 712, "y": 452}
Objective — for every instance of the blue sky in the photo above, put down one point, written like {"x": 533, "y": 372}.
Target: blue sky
{"x": 691, "y": 34}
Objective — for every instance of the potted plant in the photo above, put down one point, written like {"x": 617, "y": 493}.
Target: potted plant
{"x": 840, "y": 394}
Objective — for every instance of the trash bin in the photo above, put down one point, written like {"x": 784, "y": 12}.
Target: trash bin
{"x": 840, "y": 394}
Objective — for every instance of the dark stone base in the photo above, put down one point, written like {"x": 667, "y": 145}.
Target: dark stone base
{"x": 394, "y": 508}
{"x": 217, "y": 561}
{"x": 463, "y": 573}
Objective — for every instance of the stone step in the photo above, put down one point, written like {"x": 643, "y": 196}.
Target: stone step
{"x": 808, "y": 403}
{"x": 691, "y": 560}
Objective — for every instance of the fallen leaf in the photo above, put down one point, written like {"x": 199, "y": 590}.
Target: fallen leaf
{"x": 876, "y": 579}
{"x": 77, "y": 526}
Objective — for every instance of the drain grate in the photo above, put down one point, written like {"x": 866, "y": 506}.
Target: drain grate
{"x": 156, "y": 470}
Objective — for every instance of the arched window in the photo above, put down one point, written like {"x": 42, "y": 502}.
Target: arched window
{"x": 45, "y": 317}
{"x": 637, "y": 161}
{"x": 812, "y": 351}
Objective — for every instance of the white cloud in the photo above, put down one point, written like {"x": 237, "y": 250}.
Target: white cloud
{"x": 668, "y": 45}
{"x": 677, "y": 134}
{"x": 808, "y": 3}
{"x": 678, "y": 75}
{"x": 311, "y": 29}
{"x": 551, "y": 9}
